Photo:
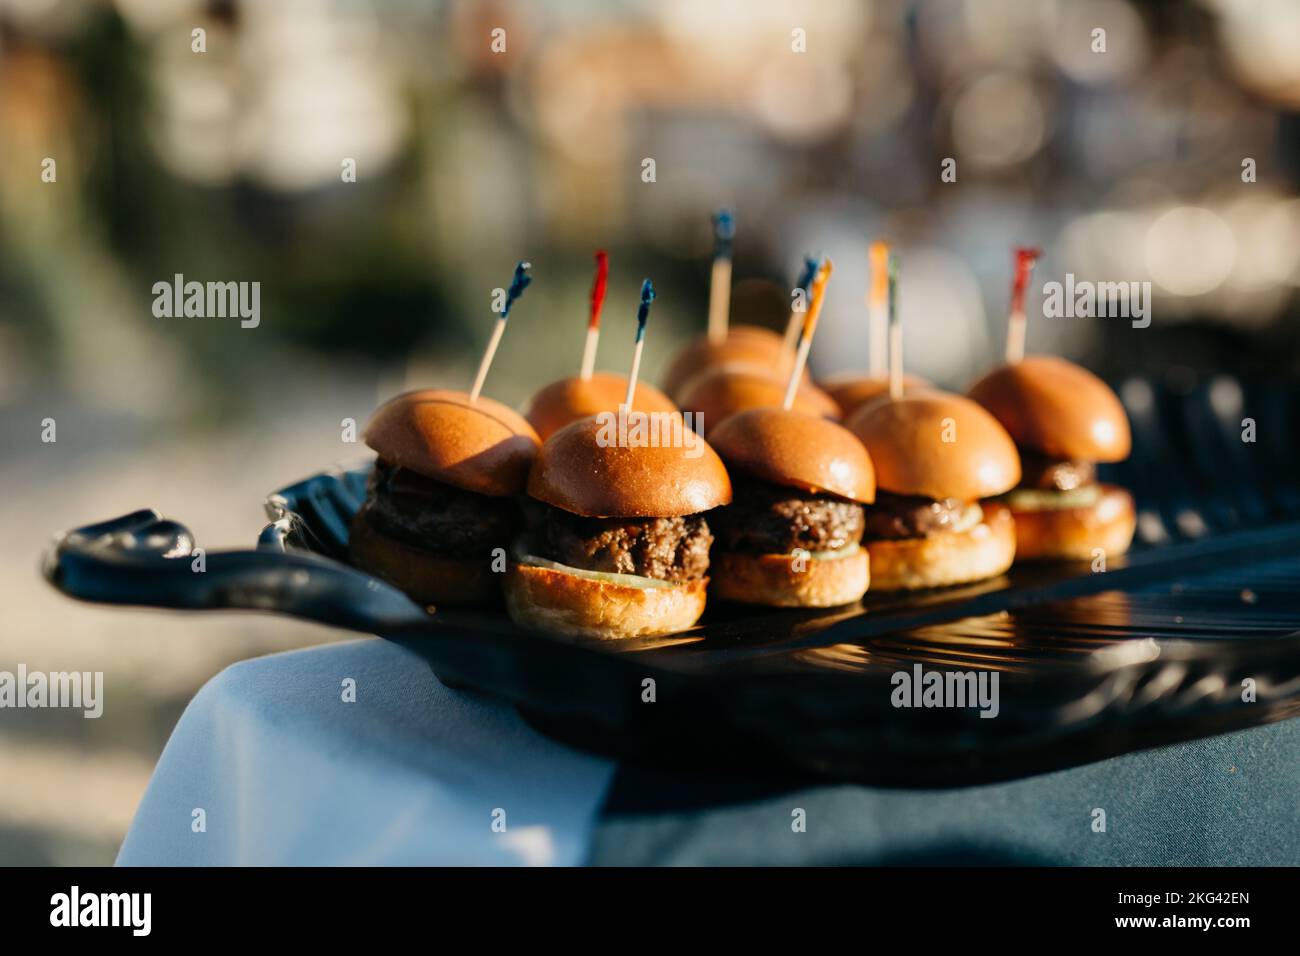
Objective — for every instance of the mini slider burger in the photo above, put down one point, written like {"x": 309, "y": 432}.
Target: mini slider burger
{"x": 717, "y": 392}
{"x": 440, "y": 499}
{"x": 590, "y": 392}
{"x": 851, "y": 390}
{"x": 725, "y": 343}
{"x": 791, "y": 536}
{"x": 936, "y": 456}
{"x": 1064, "y": 420}
{"x": 622, "y": 547}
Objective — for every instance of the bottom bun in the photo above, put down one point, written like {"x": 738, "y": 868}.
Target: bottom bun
{"x": 573, "y": 605}
{"x": 1074, "y": 533}
{"x": 778, "y": 581}
{"x": 428, "y": 578}
{"x": 949, "y": 557}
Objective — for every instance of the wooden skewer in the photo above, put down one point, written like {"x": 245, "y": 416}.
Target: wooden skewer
{"x": 724, "y": 231}
{"x": 642, "y": 313}
{"x": 517, "y": 286}
{"x": 593, "y": 322}
{"x": 877, "y": 310}
{"x": 1016, "y": 322}
{"x": 809, "y": 327}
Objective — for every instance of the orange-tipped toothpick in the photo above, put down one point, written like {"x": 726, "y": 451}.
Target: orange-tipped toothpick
{"x": 790, "y": 343}
{"x": 1025, "y": 259}
{"x": 517, "y": 287}
{"x": 817, "y": 295}
{"x": 724, "y": 231}
{"x": 642, "y": 313}
{"x": 593, "y": 322}
{"x": 878, "y": 310}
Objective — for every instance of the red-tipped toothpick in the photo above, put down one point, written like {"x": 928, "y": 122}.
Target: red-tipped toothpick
{"x": 895, "y": 333}
{"x": 809, "y": 327}
{"x": 517, "y": 287}
{"x": 1025, "y": 258}
{"x": 593, "y": 322}
{"x": 724, "y": 231}
{"x": 878, "y": 310}
{"x": 642, "y": 313}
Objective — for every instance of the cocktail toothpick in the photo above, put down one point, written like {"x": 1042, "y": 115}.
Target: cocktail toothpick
{"x": 1025, "y": 259}
{"x": 790, "y": 343}
{"x": 593, "y": 322}
{"x": 517, "y": 287}
{"x": 895, "y": 333}
{"x": 877, "y": 310}
{"x": 809, "y": 327}
{"x": 642, "y": 313}
{"x": 724, "y": 231}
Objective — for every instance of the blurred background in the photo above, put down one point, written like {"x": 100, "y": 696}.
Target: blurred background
{"x": 230, "y": 163}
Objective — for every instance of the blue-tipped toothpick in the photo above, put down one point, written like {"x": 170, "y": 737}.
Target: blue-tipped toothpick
{"x": 808, "y": 329}
{"x": 724, "y": 232}
{"x": 642, "y": 313}
{"x": 517, "y": 286}
{"x": 795, "y": 322}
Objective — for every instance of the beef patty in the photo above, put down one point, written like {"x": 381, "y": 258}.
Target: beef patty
{"x": 769, "y": 519}
{"x": 1053, "y": 474}
{"x": 437, "y": 517}
{"x": 912, "y": 516}
{"x": 669, "y": 549}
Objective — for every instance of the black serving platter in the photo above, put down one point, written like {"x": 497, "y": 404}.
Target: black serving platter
{"x": 1089, "y": 665}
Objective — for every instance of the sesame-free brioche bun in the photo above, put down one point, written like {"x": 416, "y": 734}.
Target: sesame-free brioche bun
{"x": 718, "y": 393}
{"x": 581, "y": 470}
{"x": 428, "y": 578}
{"x": 482, "y": 446}
{"x": 1073, "y": 533}
{"x": 938, "y": 445}
{"x": 572, "y": 398}
{"x": 576, "y": 605}
{"x": 949, "y": 557}
{"x": 796, "y": 450}
{"x": 851, "y": 390}
{"x": 1056, "y": 407}
{"x": 782, "y": 580}
{"x": 746, "y": 344}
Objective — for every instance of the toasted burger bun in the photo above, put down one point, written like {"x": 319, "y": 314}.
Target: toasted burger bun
{"x": 569, "y": 399}
{"x": 747, "y": 344}
{"x": 718, "y": 393}
{"x": 574, "y": 605}
{"x": 796, "y": 450}
{"x": 777, "y": 580}
{"x": 1073, "y": 533}
{"x": 582, "y": 469}
{"x": 953, "y": 557}
{"x": 428, "y": 578}
{"x": 483, "y": 446}
{"x": 906, "y": 441}
{"x": 1057, "y": 408}
{"x": 851, "y": 390}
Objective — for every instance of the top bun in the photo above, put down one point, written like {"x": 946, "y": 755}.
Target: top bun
{"x": 483, "y": 446}
{"x": 583, "y": 469}
{"x": 906, "y": 441}
{"x": 851, "y": 390}
{"x": 796, "y": 450}
{"x": 751, "y": 344}
{"x": 1056, "y": 407}
{"x": 572, "y": 398}
{"x": 718, "y": 393}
